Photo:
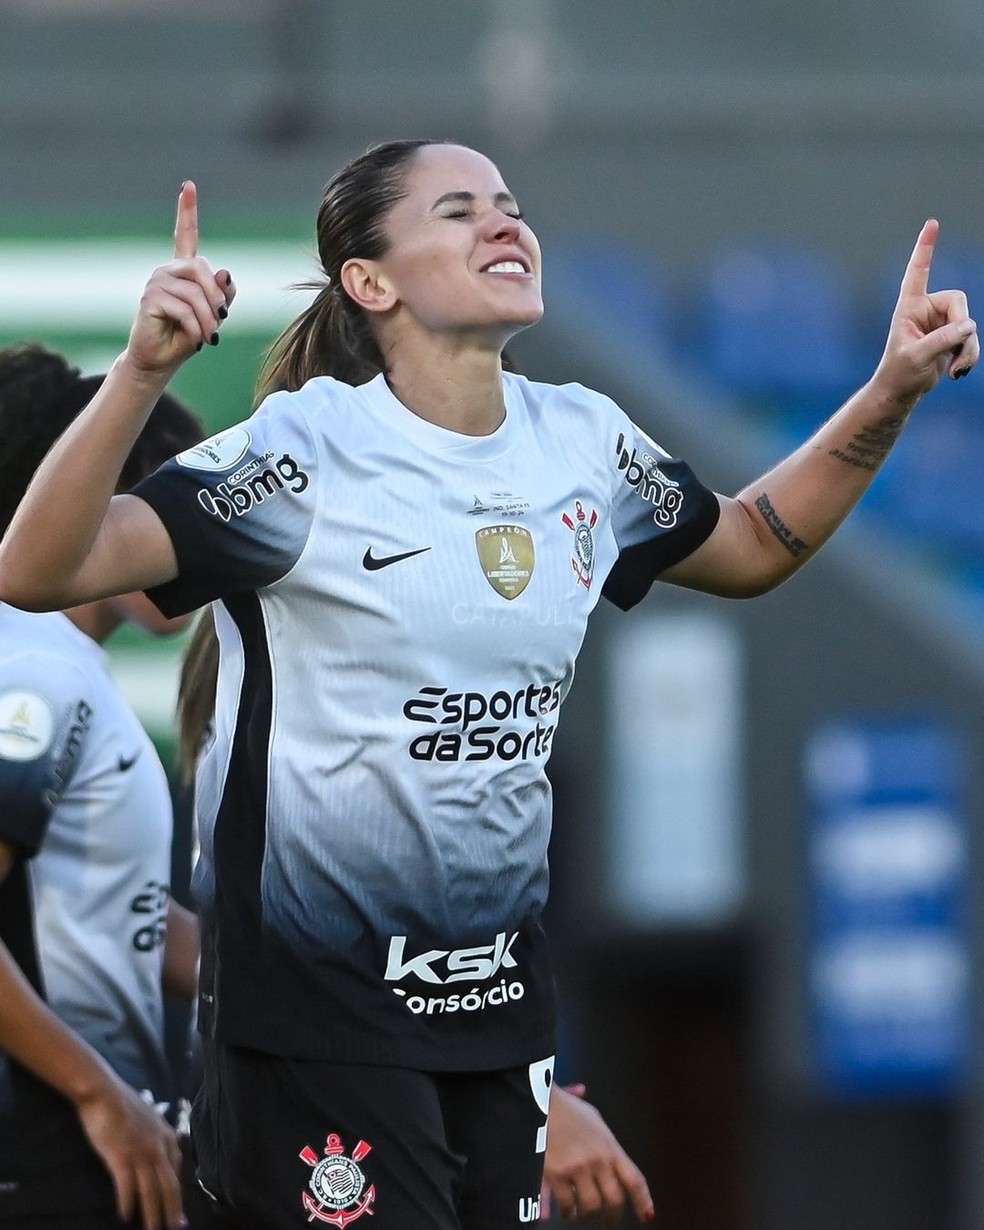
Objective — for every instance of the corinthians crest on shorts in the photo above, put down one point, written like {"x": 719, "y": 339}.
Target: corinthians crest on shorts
{"x": 338, "y": 1183}
{"x": 582, "y": 523}
{"x": 507, "y": 556}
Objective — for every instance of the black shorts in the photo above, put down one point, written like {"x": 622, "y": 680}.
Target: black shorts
{"x": 279, "y": 1144}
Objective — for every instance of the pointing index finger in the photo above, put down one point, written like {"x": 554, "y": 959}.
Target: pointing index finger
{"x": 186, "y": 226}
{"x": 915, "y": 280}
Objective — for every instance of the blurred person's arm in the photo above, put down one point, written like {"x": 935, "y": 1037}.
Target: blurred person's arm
{"x": 181, "y": 952}
{"x": 772, "y": 527}
{"x": 586, "y": 1171}
{"x": 135, "y": 1144}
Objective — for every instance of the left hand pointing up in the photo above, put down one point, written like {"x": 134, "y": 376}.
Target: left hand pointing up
{"x": 931, "y": 331}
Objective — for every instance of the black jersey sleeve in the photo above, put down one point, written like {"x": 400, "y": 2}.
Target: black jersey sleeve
{"x": 661, "y": 513}
{"x": 238, "y": 507}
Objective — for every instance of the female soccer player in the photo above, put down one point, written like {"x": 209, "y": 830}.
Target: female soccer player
{"x": 586, "y": 1170}
{"x": 404, "y": 545}
{"x": 87, "y": 926}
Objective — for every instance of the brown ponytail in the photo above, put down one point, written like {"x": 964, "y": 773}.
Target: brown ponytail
{"x": 196, "y": 692}
{"x": 333, "y": 337}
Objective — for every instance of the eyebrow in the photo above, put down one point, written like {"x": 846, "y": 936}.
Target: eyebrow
{"x": 500, "y": 198}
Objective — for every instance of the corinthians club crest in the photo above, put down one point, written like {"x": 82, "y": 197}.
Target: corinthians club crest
{"x": 338, "y": 1183}
{"x": 581, "y": 524}
{"x": 507, "y": 556}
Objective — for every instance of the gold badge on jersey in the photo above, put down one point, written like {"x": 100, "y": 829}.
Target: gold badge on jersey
{"x": 507, "y": 556}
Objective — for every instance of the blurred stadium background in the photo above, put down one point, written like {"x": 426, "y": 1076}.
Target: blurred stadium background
{"x": 767, "y": 862}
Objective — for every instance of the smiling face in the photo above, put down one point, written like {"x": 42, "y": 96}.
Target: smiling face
{"x": 460, "y": 259}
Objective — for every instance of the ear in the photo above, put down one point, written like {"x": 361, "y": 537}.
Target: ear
{"x": 366, "y": 284}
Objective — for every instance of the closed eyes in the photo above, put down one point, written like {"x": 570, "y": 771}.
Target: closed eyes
{"x": 467, "y": 213}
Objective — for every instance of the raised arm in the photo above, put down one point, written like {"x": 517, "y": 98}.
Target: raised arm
{"x": 772, "y": 527}
{"x": 73, "y": 539}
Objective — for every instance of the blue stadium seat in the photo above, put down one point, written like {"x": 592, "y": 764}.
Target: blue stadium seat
{"x": 623, "y": 281}
{"x": 932, "y": 487}
{"x": 779, "y": 326}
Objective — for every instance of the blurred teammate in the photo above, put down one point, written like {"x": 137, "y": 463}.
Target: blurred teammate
{"x": 87, "y": 927}
{"x": 403, "y": 549}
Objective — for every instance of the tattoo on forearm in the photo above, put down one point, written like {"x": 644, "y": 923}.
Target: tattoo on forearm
{"x": 872, "y": 444}
{"x": 794, "y": 545}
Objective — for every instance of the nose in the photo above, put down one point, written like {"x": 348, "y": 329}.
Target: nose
{"x": 504, "y": 227}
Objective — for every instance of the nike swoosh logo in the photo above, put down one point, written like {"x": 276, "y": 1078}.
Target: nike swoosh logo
{"x": 373, "y": 563}
{"x": 125, "y": 763}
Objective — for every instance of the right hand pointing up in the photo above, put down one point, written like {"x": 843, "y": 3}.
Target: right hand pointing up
{"x": 184, "y": 302}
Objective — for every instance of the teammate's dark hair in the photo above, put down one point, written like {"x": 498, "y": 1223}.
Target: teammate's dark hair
{"x": 41, "y": 393}
{"x": 333, "y": 336}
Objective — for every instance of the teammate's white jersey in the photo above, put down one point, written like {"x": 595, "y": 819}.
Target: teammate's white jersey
{"x": 85, "y": 804}
{"x": 401, "y": 607}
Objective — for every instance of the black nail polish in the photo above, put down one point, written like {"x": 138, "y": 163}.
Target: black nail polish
{"x": 223, "y": 312}
{"x": 198, "y": 347}
{"x": 214, "y": 340}
{"x": 964, "y": 371}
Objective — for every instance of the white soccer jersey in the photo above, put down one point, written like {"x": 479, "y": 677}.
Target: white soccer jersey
{"x": 85, "y": 803}
{"x": 401, "y": 607}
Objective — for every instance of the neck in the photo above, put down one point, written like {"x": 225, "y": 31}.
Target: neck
{"x": 461, "y": 392}
{"x": 95, "y": 619}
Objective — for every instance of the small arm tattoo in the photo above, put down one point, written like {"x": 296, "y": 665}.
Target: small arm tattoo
{"x": 869, "y": 448}
{"x": 794, "y": 545}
